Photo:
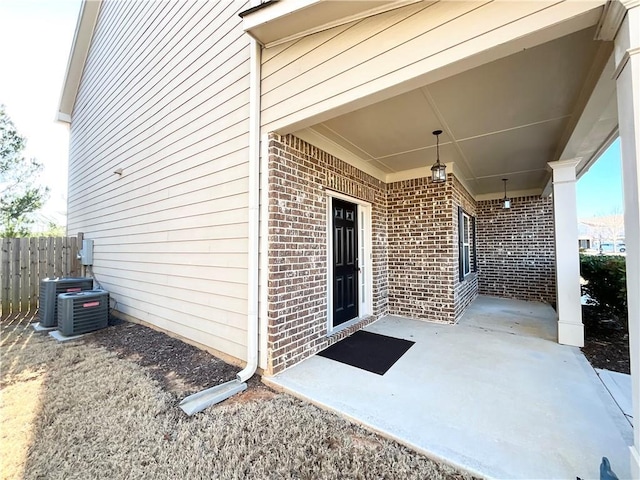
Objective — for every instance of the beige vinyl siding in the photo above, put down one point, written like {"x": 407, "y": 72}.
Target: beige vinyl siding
{"x": 165, "y": 97}
{"x": 334, "y": 71}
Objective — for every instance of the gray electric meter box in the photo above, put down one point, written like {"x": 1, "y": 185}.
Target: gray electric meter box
{"x": 86, "y": 254}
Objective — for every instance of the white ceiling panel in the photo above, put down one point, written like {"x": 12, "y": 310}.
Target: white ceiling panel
{"x": 421, "y": 158}
{"x": 338, "y": 138}
{"x": 505, "y": 119}
{"x": 525, "y": 148}
{"x": 528, "y": 87}
{"x": 401, "y": 123}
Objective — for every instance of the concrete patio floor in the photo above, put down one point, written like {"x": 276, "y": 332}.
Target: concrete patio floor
{"x": 493, "y": 395}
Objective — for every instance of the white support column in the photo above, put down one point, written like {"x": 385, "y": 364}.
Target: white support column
{"x": 627, "y": 58}
{"x": 565, "y": 215}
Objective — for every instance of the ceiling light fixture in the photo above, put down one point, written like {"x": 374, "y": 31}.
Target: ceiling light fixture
{"x": 438, "y": 171}
{"x": 506, "y": 203}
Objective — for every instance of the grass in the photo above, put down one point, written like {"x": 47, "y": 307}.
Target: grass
{"x": 76, "y": 410}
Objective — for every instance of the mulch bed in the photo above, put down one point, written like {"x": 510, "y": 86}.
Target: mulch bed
{"x": 606, "y": 342}
{"x": 176, "y": 365}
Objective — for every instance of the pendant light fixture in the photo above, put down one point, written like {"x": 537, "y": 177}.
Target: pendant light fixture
{"x": 506, "y": 203}
{"x": 438, "y": 171}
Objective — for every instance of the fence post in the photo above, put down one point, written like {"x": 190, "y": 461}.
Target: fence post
{"x": 75, "y": 263}
{"x": 34, "y": 281}
{"x": 6, "y": 276}
{"x": 42, "y": 259}
{"x": 15, "y": 274}
{"x": 59, "y": 258}
{"x": 51, "y": 273}
{"x": 24, "y": 275}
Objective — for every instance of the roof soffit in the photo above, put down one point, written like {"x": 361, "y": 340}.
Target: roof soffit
{"x": 507, "y": 118}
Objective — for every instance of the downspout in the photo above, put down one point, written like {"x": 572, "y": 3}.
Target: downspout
{"x": 254, "y": 212}
{"x": 199, "y": 401}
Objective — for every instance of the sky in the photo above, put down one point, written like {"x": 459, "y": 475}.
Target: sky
{"x": 36, "y": 37}
{"x": 35, "y": 40}
{"x": 600, "y": 189}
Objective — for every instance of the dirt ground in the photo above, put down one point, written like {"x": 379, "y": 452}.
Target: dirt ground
{"x": 106, "y": 406}
{"x": 606, "y": 342}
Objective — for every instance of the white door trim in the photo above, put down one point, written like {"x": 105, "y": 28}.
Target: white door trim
{"x": 365, "y": 262}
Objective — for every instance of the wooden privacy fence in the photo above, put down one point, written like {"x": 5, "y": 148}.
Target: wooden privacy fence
{"x": 26, "y": 261}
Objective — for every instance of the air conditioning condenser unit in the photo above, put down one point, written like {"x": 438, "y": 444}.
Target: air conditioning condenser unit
{"x": 50, "y": 288}
{"x": 83, "y": 312}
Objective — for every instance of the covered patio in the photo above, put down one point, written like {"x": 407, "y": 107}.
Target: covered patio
{"x": 494, "y": 394}
{"x": 526, "y": 95}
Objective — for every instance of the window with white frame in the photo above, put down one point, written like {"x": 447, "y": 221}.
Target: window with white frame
{"x": 466, "y": 243}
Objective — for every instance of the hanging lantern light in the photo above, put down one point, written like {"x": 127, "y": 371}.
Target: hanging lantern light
{"x": 438, "y": 171}
{"x": 506, "y": 203}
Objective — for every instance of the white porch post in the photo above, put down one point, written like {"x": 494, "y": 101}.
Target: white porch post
{"x": 565, "y": 215}
{"x": 627, "y": 58}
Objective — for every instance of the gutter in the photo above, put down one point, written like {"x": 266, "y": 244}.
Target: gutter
{"x": 199, "y": 401}
{"x": 255, "y": 8}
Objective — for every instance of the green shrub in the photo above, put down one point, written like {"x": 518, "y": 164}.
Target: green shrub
{"x": 606, "y": 284}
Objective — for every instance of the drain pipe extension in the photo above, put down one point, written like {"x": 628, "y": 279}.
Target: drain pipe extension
{"x": 199, "y": 401}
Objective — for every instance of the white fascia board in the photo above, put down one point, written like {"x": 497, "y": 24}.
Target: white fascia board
{"x": 63, "y": 117}
{"x": 610, "y": 21}
{"x": 596, "y": 128}
{"x": 274, "y": 11}
{"x": 85, "y": 26}
{"x": 534, "y": 192}
{"x": 279, "y": 12}
{"x": 606, "y": 143}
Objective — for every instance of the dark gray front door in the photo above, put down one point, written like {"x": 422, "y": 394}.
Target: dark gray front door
{"x": 345, "y": 261}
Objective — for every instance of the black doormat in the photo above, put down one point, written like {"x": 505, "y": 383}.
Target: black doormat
{"x": 368, "y": 351}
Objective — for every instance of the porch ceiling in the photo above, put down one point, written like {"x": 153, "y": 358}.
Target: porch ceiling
{"x": 504, "y": 119}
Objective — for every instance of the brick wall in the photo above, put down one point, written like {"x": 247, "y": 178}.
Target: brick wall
{"x": 466, "y": 290}
{"x": 297, "y": 278}
{"x": 422, "y": 260}
{"x": 423, "y": 251}
{"x": 516, "y": 255}
{"x": 415, "y": 248}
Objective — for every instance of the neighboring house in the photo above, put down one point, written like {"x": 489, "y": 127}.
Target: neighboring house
{"x": 266, "y": 168}
{"x": 603, "y": 230}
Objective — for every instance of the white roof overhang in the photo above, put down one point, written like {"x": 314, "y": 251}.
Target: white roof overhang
{"x": 504, "y": 119}
{"x": 275, "y": 22}
{"x": 87, "y": 19}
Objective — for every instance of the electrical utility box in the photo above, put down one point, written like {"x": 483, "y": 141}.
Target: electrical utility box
{"x": 86, "y": 254}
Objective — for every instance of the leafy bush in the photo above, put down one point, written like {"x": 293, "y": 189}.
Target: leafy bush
{"x": 606, "y": 285}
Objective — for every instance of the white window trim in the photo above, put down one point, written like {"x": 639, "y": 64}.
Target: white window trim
{"x": 365, "y": 306}
{"x": 466, "y": 246}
